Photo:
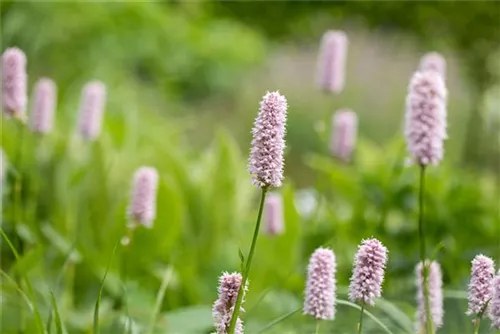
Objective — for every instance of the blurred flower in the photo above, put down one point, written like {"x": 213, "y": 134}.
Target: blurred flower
{"x": 433, "y": 61}
{"x": 223, "y": 308}
{"x": 494, "y": 304}
{"x": 273, "y": 220}
{"x": 425, "y": 127}
{"x": 91, "y": 110}
{"x": 368, "y": 274}
{"x": 3, "y": 166}
{"x": 266, "y": 155}
{"x": 42, "y": 113}
{"x": 306, "y": 202}
{"x": 332, "y": 60}
{"x": 435, "y": 283}
{"x": 480, "y": 288}
{"x": 320, "y": 291}
{"x": 14, "y": 83}
{"x": 142, "y": 208}
{"x": 344, "y": 132}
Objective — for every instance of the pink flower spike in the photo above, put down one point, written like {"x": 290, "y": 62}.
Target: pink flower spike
{"x": 223, "y": 308}
{"x": 268, "y": 143}
{"x": 425, "y": 120}
{"x": 344, "y": 133}
{"x": 480, "y": 288}
{"x": 368, "y": 274}
{"x": 332, "y": 61}
{"x": 320, "y": 293}
{"x": 91, "y": 110}
{"x": 142, "y": 207}
{"x": 14, "y": 83}
{"x": 273, "y": 219}
{"x": 433, "y": 61}
{"x": 42, "y": 112}
{"x": 494, "y": 305}
{"x": 435, "y": 282}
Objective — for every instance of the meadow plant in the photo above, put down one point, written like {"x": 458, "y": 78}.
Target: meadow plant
{"x": 332, "y": 61}
{"x": 425, "y": 131}
{"x": 14, "y": 83}
{"x": 480, "y": 287}
{"x": 435, "y": 296}
{"x": 265, "y": 165}
{"x": 44, "y": 105}
{"x": 273, "y": 215}
{"x": 320, "y": 293}
{"x": 223, "y": 308}
{"x": 368, "y": 275}
{"x": 92, "y": 106}
{"x": 344, "y": 133}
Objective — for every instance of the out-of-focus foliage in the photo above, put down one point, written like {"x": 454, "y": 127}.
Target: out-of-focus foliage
{"x": 177, "y": 49}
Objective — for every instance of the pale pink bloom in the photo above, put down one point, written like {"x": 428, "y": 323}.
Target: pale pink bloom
{"x": 91, "y": 110}
{"x": 480, "y": 288}
{"x": 223, "y": 308}
{"x": 494, "y": 305}
{"x": 14, "y": 83}
{"x": 320, "y": 292}
{"x": 425, "y": 120}
{"x": 332, "y": 61}
{"x": 433, "y": 61}
{"x": 142, "y": 208}
{"x": 435, "y": 284}
{"x": 368, "y": 274}
{"x": 273, "y": 214}
{"x": 44, "y": 105}
{"x": 344, "y": 133}
{"x": 268, "y": 143}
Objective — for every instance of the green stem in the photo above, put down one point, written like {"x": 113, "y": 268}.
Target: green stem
{"x": 17, "y": 213}
{"x": 477, "y": 323}
{"x": 317, "y": 327}
{"x": 425, "y": 265}
{"x": 245, "y": 274}
{"x": 360, "y": 324}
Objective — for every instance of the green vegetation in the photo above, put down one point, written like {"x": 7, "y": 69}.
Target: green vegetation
{"x": 167, "y": 67}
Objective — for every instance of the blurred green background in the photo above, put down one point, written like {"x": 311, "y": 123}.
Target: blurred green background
{"x": 184, "y": 81}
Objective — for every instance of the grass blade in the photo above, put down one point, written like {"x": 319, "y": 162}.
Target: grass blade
{"x": 18, "y": 289}
{"x": 36, "y": 312}
{"x": 58, "y": 281}
{"x": 59, "y": 324}
{"x": 396, "y": 314}
{"x": 159, "y": 299}
{"x": 374, "y": 318}
{"x": 98, "y": 302}
{"x": 278, "y": 320}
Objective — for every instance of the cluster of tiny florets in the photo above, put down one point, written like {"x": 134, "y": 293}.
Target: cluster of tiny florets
{"x": 368, "y": 274}
{"x": 223, "y": 308}
{"x": 320, "y": 291}
{"x": 142, "y": 208}
{"x": 14, "y": 83}
{"x": 425, "y": 127}
{"x": 435, "y": 284}
{"x": 268, "y": 143}
{"x": 480, "y": 287}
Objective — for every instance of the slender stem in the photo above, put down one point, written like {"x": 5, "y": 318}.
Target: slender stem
{"x": 317, "y": 326}
{"x": 17, "y": 210}
{"x": 477, "y": 323}
{"x": 360, "y": 324}
{"x": 239, "y": 299}
{"x": 425, "y": 265}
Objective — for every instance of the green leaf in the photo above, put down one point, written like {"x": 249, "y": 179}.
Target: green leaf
{"x": 374, "y": 318}
{"x": 159, "y": 298}
{"x": 59, "y": 324}
{"x": 192, "y": 320}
